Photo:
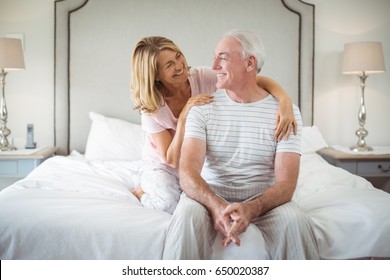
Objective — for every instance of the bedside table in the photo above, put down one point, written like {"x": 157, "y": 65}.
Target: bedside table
{"x": 17, "y": 164}
{"x": 375, "y": 168}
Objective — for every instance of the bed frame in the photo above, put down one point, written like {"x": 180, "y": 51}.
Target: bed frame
{"x": 94, "y": 40}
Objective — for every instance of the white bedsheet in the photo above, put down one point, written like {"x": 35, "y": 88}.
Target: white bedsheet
{"x": 352, "y": 217}
{"x": 70, "y": 208}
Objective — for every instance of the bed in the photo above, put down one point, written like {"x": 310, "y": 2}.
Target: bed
{"x": 78, "y": 204}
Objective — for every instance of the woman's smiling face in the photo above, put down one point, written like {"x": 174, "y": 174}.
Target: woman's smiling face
{"x": 172, "y": 67}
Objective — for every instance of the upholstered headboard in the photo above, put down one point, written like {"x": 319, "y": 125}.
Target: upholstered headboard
{"x": 94, "y": 40}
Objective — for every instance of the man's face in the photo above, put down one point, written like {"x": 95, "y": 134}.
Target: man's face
{"x": 228, "y": 63}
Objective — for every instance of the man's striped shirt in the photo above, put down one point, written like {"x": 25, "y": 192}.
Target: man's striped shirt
{"x": 240, "y": 144}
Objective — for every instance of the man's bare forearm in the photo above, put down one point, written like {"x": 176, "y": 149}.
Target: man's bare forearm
{"x": 286, "y": 176}
{"x": 278, "y": 194}
{"x": 197, "y": 188}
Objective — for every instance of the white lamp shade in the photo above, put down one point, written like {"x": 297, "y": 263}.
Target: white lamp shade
{"x": 363, "y": 57}
{"x": 11, "y": 54}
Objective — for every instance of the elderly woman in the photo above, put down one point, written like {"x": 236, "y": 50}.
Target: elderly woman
{"x": 164, "y": 88}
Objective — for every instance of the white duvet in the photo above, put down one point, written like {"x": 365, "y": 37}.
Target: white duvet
{"x": 71, "y": 208}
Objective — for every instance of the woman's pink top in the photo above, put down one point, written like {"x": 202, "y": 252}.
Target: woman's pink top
{"x": 202, "y": 80}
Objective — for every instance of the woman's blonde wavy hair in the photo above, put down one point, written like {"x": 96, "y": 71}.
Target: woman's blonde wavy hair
{"x": 146, "y": 92}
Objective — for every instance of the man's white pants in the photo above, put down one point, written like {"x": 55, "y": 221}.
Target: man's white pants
{"x": 286, "y": 230}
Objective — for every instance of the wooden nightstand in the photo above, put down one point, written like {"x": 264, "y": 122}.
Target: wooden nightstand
{"x": 17, "y": 164}
{"x": 375, "y": 168}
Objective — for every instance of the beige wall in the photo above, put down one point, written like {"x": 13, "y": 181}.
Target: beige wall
{"x": 30, "y": 92}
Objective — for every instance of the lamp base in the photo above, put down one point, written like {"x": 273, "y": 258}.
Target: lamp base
{"x": 362, "y": 148}
{"x": 4, "y": 131}
{"x": 7, "y": 148}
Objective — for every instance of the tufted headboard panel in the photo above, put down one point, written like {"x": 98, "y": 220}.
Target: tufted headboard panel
{"x": 94, "y": 40}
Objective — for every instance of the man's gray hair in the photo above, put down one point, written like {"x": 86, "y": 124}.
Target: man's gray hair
{"x": 252, "y": 45}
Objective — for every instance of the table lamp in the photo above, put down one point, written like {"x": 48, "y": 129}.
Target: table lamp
{"x": 362, "y": 58}
{"x": 11, "y": 58}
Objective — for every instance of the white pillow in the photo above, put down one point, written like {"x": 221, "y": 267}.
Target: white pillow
{"x": 113, "y": 139}
{"x": 312, "y": 140}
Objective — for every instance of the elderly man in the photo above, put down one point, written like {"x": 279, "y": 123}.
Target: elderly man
{"x": 232, "y": 170}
